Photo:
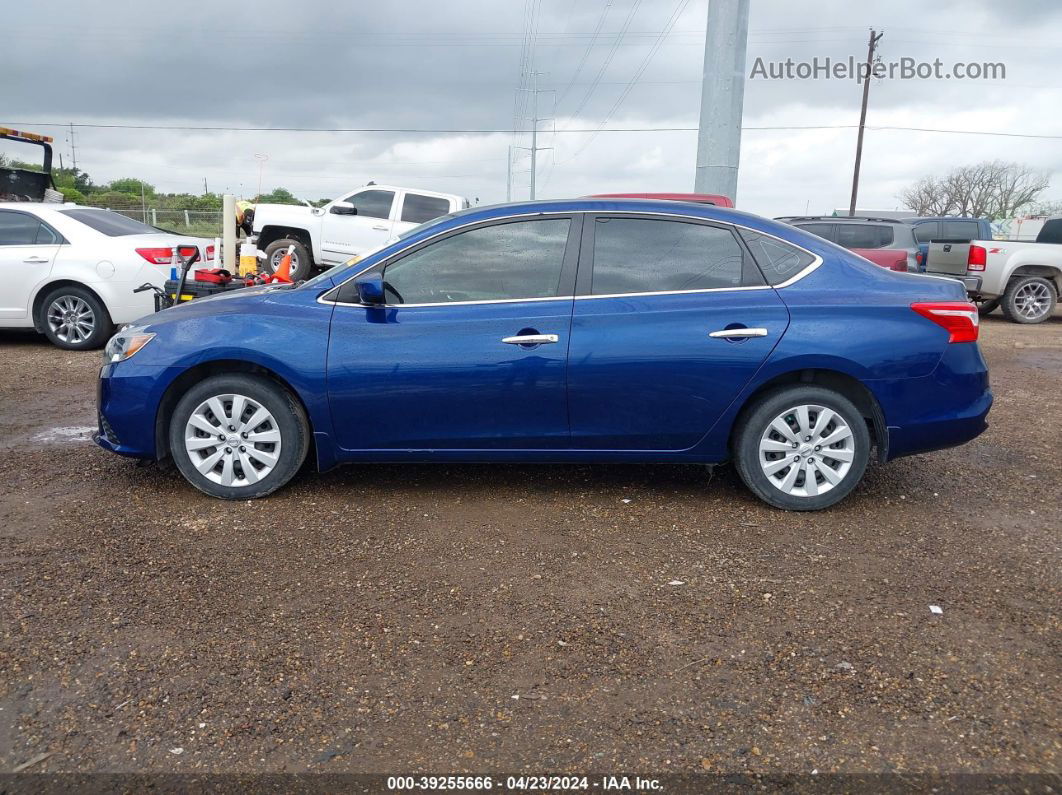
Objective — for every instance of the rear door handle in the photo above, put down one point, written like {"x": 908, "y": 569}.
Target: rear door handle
{"x": 380, "y": 228}
{"x": 531, "y": 339}
{"x": 738, "y": 333}
{"x": 36, "y": 260}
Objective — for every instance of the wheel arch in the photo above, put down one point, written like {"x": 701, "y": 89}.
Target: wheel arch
{"x": 46, "y": 289}
{"x": 274, "y": 232}
{"x": 1052, "y": 274}
{"x": 842, "y": 383}
{"x": 194, "y": 375}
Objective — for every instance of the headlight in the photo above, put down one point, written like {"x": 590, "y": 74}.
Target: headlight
{"x": 125, "y": 343}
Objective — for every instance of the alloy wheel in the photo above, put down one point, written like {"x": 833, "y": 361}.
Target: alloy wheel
{"x": 232, "y": 440}
{"x": 807, "y": 450}
{"x": 1033, "y": 300}
{"x": 71, "y": 319}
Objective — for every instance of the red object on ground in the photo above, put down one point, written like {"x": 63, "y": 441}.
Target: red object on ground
{"x": 895, "y": 259}
{"x": 697, "y": 198}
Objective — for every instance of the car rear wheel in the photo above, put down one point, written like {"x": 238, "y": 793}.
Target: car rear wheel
{"x": 74, "y": 319}
{"x": 1028, "y": 299}
{"x": 301, "y": 259}
{"x": 802, "y": 448}
{"x": 238, "y": 436}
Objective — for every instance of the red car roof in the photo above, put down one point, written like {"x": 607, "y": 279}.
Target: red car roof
{"x": 697, "y": 198}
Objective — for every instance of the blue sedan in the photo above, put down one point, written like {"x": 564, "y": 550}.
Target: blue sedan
{"x": 561, "y": 331}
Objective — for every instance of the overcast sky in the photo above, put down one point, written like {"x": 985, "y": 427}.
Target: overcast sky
{"x": 429, "y": 65}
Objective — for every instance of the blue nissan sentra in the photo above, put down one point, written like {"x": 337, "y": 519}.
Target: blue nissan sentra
{"x": 561, "y": 331}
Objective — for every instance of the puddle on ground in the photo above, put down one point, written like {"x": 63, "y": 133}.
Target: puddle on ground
{"x": 65, "y": 435}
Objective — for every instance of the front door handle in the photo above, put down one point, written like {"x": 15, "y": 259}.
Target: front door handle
{"x": 738, "y": 333}
{"x": 36, "y": 260}
{"x": 531, "y": 339}
{"x": 380, "y": 228}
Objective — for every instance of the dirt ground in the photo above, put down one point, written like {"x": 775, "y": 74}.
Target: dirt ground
{"x": 530, "y": 619}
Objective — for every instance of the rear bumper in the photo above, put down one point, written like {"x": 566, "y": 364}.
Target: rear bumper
{"x": 971, "y": 283}
{"x": 946, "y": 408}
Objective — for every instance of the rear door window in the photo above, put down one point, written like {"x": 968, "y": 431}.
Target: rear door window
{"x": 864, "y": 235}
{"x": 418, "y": 208}
{"x": 643, "y": 255}
{"x": 18, "y": 229}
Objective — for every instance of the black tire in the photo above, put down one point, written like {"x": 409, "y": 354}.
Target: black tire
{"x": 986, "y": 308}
{"x": 1014, "y": 308}
{"x": 63, "y": 306}
{"x": 301, "y": 258}
{"x": 285, "y": 410}
{"x": 755, "y": 423}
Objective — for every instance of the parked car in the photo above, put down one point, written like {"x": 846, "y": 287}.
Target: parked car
{"x": 1022, "y": 277}
{"x": 716, "y": 199}
{"x": 561, "y": 331}
{"x": 360, "y": 221}
{"x": 939, "y": 227}
{"x": 70, "y": 271}
{"x": 863, "y": 234}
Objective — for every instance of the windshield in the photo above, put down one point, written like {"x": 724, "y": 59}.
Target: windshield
{"x": 109, "y": 223}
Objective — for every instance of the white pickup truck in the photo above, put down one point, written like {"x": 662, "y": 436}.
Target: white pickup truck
{"x": 1022, "y": 277}
{"x": 359, "y": 221}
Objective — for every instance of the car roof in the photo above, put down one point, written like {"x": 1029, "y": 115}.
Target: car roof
{"x": 650, "y": 206}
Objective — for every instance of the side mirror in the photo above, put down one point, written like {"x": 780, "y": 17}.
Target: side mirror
{"x": 370, "y": 288}
{"x": 343, "y": 208}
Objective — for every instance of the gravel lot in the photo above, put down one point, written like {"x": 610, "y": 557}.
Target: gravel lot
{"x": 540, "y": 619}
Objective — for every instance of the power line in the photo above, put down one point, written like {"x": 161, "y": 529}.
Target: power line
{"x": 608, "y": 59}
{"x": 505, "y": 131}
{"x": 586, "y": 53}
{"x": 675, "y": 15}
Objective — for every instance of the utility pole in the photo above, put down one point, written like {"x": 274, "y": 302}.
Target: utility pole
{"x": 534, "y": 148}
{"x": 722, "y": 97}
{"x": 73, "y": 148}
{"x": 509, "y": 176}
{"x": 871, "y": 46}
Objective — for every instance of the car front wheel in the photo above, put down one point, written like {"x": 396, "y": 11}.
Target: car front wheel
{"x": 238, "y": 436}
{"x": 802, "y": 448}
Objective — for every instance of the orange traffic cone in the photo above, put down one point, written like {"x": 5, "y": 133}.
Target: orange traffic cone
{"x": 283, "y": 272}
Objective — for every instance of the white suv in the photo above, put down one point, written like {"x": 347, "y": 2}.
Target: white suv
{"x": 70, "y": 271}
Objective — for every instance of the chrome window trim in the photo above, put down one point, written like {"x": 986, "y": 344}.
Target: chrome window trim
{"x": 791, "y": 280}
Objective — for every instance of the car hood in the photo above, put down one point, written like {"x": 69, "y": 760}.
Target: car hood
{"x": 245, "y": 300}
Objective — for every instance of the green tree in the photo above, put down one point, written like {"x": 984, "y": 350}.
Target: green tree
{"x": 279, "y": 196}
{"x": 72, "y": 194}
{"x": 132, "y": 186}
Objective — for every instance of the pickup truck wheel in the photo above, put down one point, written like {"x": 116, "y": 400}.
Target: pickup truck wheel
{"x": 301, "y": 259}
{"x": 987, "y": 307}
{"x": 802, "y": 448}
{"x": 1028, "y": 299}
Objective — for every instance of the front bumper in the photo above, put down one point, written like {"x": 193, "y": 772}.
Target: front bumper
{"x": 127, "y": 400}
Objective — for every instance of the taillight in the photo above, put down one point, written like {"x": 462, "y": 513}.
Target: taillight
{"x": 157, "y": 256}
{"x": 918, "y": 257}
{"x": 186, "y": 251}
{"x": 900, "y": 264}
{"x": 210, "y": 252}
{"x": 977, "y": 258}
{"x": 958, "y": 317}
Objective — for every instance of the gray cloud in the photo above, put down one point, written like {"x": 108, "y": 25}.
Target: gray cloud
{"x": 455, "y": 65}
